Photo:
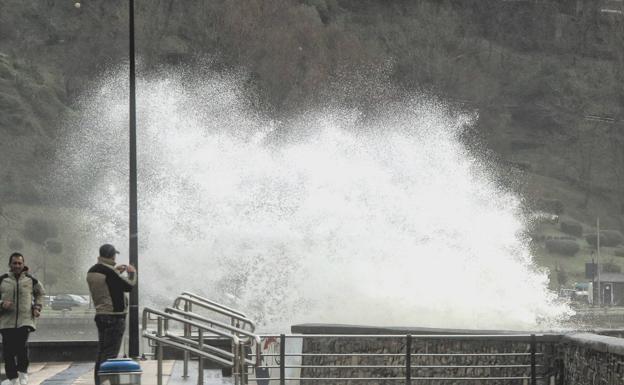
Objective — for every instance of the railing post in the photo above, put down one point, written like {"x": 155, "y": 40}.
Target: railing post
{"x": 282, "y": 359}
{"x": 408, "y": 360}
{"x": 236, "y": 372}
{"x": 234, "y": 348}
{"x": 243, "y": 365}
{"x": 187, "y": 334}
{"x": 560, "y": 371}
{"x": 533, "y": 375}
{"x": 200, "y": 360}
{"x": 159, "y": 353}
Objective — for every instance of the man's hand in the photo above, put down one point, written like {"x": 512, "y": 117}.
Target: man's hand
{"x": 121, "y": 268}
{"x": 131, "y": 269}
{"x": 6, "y": 304}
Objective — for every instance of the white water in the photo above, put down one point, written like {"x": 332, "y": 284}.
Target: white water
{"x": 386, "y": 223}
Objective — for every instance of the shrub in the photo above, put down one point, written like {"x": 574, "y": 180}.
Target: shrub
{"x": 537, "y": 237}
{"x": 611, "y": 267}
{"x": 591, "y": 239}
{"x": 39, "y": 230}
{"x": 572, "y": 228}
{"x": 613, "y": 237}
{"x": 562, "y": 277}
{"x": 618, "y": 252}
{"x": 553, "y": 206}
{"x": 608, "y": 238}
{"x": 562, "y": 246}
{"x": 54, "y": 247}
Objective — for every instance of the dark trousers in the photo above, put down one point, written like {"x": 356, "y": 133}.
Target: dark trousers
{"x": 110, "y": 334}
{"x": 15, "y": 350}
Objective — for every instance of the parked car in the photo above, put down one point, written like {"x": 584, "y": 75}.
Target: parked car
{"x": 47, "y": 300}
{"x": 68, "y": 301}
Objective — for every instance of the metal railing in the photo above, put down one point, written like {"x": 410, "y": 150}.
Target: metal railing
{"x": 197, "y": 330}
{"x": 163, "y": 337}
{"x": 237, "y": 318}
{"x": 210, "y": 302}
{"x": 405, "y": 361}
{"x": 402, "y": 358}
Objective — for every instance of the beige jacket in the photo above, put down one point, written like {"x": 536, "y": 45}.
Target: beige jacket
{"x": 26, "y": 293}
{"x": 108, "y": 287}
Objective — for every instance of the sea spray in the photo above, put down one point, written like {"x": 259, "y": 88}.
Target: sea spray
{"x": 325, "y": 217}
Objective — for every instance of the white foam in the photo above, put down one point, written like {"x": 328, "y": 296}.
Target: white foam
{"x": 322, "y": 219}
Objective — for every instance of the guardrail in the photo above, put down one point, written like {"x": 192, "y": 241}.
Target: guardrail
{"x": 343, "y": 358}
{"x": 237, "y": 319}
{"x": 404, "y": 363}
{"x": 162, "y": 337}
{"x": 197, "y": 329}
{"x": 215, "y": 304}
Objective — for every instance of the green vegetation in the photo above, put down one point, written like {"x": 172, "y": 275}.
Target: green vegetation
{"x": 565, "y": 267}
{"x": 564, "y": 246}
{"x": 546, "y": 78}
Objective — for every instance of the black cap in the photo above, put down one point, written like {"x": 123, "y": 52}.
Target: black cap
{"x": 108, "y": 251}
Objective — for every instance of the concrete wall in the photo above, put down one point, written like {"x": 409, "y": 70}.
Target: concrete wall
{"x": 65, "y": 328}
{"x": 62, "y": 351}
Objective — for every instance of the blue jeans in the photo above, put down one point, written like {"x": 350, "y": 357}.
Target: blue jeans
{"x": 110, "y": 334}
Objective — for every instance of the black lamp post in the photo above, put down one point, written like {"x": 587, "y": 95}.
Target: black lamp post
{"x": 133, "y": 348}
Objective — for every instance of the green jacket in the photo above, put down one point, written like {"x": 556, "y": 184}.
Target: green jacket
{"x": 25, "y": 293}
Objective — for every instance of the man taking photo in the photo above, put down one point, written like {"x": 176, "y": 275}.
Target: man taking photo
{"x": 108, "y": 287}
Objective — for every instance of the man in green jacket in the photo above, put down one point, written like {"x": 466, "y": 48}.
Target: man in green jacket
{"x": 21, "y": 297}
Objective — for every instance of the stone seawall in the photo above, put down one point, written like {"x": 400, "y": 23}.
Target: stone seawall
{"x": 428, "y": 359}
{"x": 503, "y": 355}
{"x": 564, "y": 359}
{"x": 592, "y": 359}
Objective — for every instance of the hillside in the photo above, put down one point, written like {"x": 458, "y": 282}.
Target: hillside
{"x": 546, "y": 79}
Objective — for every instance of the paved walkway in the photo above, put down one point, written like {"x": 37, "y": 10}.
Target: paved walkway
{"x": 80, "y": 373}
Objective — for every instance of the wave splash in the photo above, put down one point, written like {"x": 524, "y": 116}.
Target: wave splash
{"x": 330, "y": 217}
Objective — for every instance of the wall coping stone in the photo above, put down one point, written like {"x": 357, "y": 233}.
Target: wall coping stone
{"x": 605, "y": 344}
{"x": 319, "y": 328}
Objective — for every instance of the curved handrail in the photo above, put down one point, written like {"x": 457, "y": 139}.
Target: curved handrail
{"x": 181, "y": 346}
{"x": 206, "y": 300}
{"x": 252, "y": 362}
{"x": 251, "y": 337}
{"x": 217, "y": 309}
{"x": 196, "y": 316}
{"x": 195, "y": 343}
{"x": 242, "y": 341}
{"x": 185, "y": 321}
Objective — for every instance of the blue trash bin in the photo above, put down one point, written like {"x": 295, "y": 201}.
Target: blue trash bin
{"x": 120, "y": 371}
